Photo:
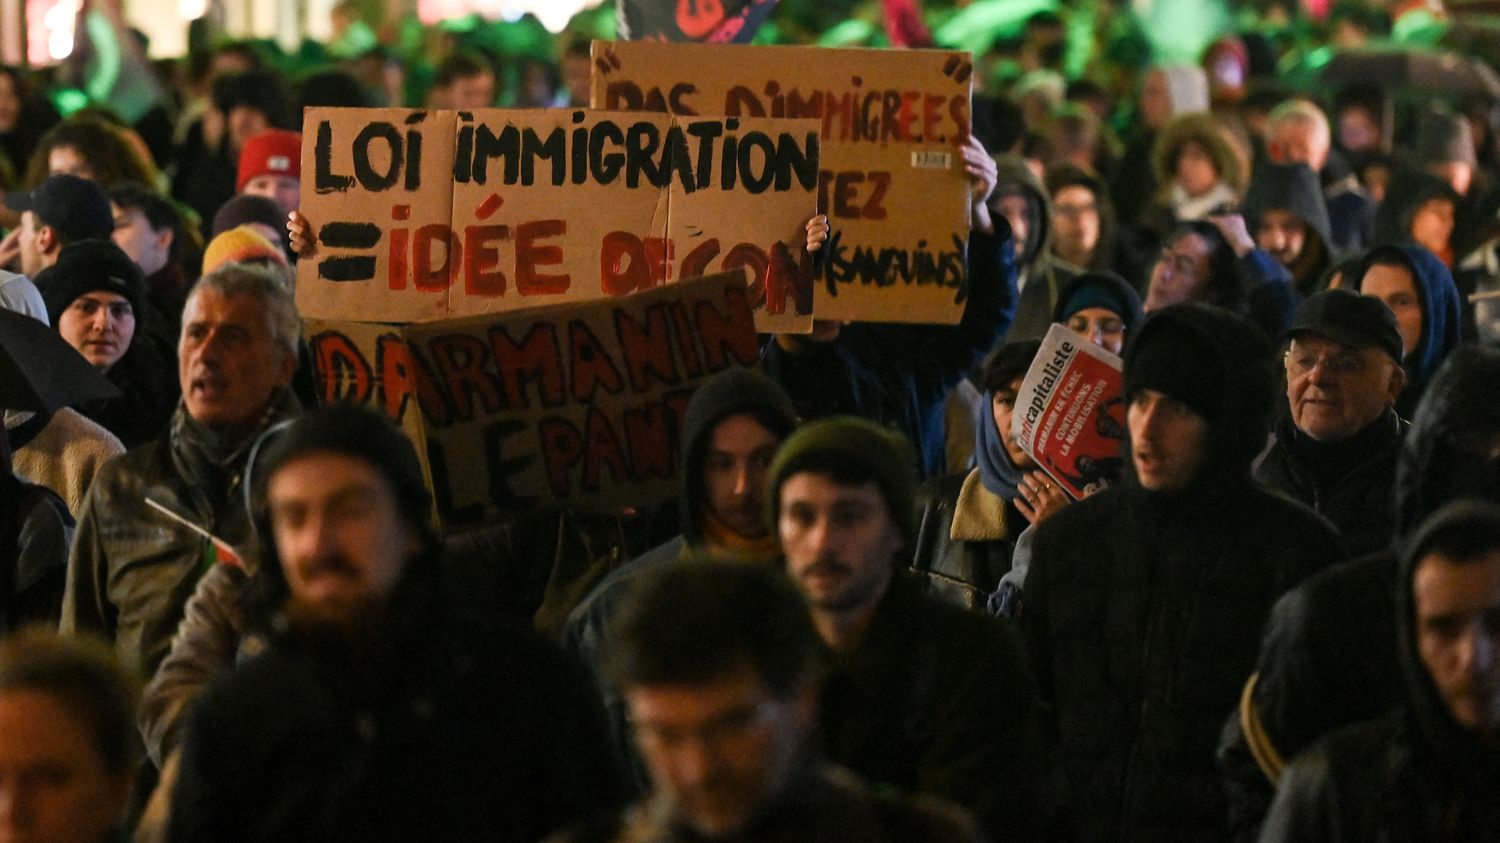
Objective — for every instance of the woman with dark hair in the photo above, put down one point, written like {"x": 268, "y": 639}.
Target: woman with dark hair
{"x": 24, "y": 118}
{"x": 93, "y": 149}
{"x": 1217, "y": 262}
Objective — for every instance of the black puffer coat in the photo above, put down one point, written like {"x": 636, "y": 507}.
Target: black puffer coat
{"x": 1143, "y": 609}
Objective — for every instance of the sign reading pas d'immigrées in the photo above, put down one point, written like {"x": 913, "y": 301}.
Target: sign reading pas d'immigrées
{"x": 891, "y": 174}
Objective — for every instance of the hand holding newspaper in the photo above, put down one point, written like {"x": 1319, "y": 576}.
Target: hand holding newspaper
{"x": 1070, "y": 413}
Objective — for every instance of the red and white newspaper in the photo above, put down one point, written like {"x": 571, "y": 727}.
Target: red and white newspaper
{"x": 1070, "y": 413}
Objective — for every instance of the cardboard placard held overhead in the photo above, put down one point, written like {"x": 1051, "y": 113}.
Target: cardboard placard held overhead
{"x": 892, "y": 177}
{"x": 579, "y": 403}
{"x": 423, "y": 215}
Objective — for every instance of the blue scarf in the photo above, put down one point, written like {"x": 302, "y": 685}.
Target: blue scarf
{"x": 997, "y": 471}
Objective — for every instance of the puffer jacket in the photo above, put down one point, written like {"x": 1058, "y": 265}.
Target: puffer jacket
{"x": 1144, "y": 608}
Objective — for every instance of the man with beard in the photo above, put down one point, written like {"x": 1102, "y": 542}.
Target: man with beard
{"x": 921, "y": 694}
{"x": 381, "y": 709}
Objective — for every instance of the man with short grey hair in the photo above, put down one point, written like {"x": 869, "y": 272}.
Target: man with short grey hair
{"x": 133, "y": 567}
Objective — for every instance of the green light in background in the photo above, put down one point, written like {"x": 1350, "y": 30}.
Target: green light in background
{"x": 1179, "y": 30}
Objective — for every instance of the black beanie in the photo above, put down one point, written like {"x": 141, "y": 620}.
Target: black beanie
{"x": 1180, "y": 363}
{"x": 246, "y": 208}
{"x": 356, "y": 432}
{"x": 1444, "y": 137}
{"x": 87, "y": 266}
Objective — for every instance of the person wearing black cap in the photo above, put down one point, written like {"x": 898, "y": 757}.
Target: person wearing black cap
{"x": 97, "y": 300}
{"x": 61, "y": 210}
{"x": 1336, "y": 450}
{"x": 1145, "y": 602}
{"x": 1430, "y": 768}
{"x": 380, "y": 709}
{"x": 731, "y": 429}
{"x": 919, "y": 694}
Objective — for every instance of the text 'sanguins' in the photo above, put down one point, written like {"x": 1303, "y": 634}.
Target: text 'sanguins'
{"x": 700, "y": 155}
{"x": 852, "y": 115}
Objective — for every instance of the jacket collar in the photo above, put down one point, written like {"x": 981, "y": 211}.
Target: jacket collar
{"x": 978, "y": 514}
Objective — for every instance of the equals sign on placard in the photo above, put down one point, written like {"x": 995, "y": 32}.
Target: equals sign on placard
{"x": 348, "y": 235}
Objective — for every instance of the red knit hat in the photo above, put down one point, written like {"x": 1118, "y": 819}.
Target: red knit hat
{"x": 274, "y": 152}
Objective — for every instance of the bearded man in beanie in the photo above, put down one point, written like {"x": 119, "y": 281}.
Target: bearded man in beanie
{"x": 1336, "y": 450}
{"x": 920, "y": 694}
{"x": 1145, "y": 602}
{"x": 730, "y": 431}
{"x": 379, "y": 711}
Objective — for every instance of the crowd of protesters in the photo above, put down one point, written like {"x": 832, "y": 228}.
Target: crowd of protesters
{"x": 868, "y": 614}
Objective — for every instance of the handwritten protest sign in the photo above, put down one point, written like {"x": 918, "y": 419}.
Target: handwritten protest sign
{"x": 1070, "y": 413}
{"x": 579, "y": 403}
{"x": 892, "y": 178}
{"x": 424, "y": 215}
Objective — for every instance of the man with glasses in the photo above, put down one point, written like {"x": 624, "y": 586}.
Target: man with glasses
{"x": 1336, "y": 450}
{"x": 718, "y": 661}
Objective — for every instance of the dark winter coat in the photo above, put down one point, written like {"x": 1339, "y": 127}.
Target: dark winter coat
{"x": 439, "y": 726}
{"x": 1351, "y": 483}
{"x": 1143, "y": 609}
{"x": 1329, "y": 657}
{"x": 1293, "y": 188}
{"x": 1413, "y": 775}
{"x": 937, "y": 701}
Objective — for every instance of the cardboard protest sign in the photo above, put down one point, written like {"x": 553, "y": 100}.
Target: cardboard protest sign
{"x": 1070, "y": 413}
{"x": 578, "y": 403}
{"x": 711, "y": 21}
{"x": 892, "y": 177}
{"x": 423, "y": 215}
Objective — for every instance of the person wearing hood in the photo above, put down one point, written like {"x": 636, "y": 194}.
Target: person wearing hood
{"x": 1200, "y": 173}
{"x": 1421, "y": 208}
{"x": 97, "y": 298}
{"x": 1419, "y": 289}
{"x": 1329, "y": 656}
{"x": 1145, "y": 602}
{"x": 1297, "y": 132}
{"x": 1336, "y": 450}
{"x": 1040, "y": 274}
{"x": 1430, "y": 769}
{"x": 1084, "y": 218}
{"x": 1284, "y": 209}
{"x": 731, "y": 429}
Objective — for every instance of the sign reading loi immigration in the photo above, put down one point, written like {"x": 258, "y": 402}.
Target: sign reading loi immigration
{"x": 423, "y": 215}
{"x": 578, "y": 403}
{"x": 891, "y": 174}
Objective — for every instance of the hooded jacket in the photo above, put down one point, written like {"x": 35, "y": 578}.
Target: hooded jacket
{"x": 1414, "y": 774}
{"x": 1442, "y": 318}
{"x": 1042, "y": 275}
{"x": 1329, "y": 657}
{"x": 731, "y": 392}
{"x": 1293, "y": 188}
{"x": 1144, "y": 608}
